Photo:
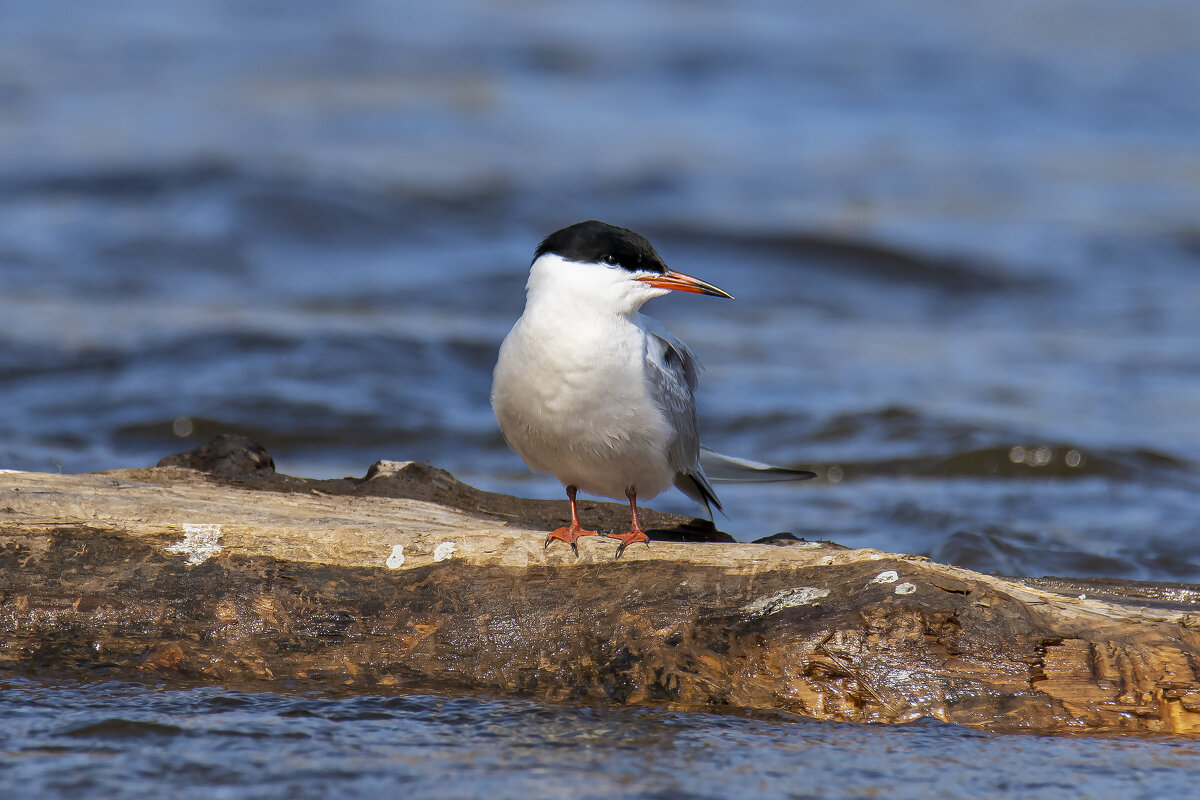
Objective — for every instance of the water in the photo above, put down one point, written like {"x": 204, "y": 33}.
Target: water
{"x": 105, "y": 739}
{"x": 963, "y": 242}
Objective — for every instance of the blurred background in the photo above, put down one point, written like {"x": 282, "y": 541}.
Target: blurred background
{"x": 964, "y": 241}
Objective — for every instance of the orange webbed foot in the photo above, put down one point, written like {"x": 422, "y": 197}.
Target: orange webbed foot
{"x": 635, "y": 536}
{"x": 570, "y": 535}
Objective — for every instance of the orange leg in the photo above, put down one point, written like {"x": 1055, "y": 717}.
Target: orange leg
{"x": 573, "y": 531}
{"x": 635, "y": 534}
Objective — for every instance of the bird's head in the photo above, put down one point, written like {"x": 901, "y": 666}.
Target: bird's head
{"x": 605, "y": 267}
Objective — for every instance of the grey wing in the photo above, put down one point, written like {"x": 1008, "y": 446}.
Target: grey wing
{"x": 673, "y": 372}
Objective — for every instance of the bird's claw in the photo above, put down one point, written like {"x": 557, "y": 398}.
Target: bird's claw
{"x": 626, "y": 539}
{"x": 569, "y": 535}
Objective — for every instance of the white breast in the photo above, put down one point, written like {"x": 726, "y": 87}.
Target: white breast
{"x": 571, "y": 397}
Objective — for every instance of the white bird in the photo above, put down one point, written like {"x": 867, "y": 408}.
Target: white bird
{"x": 588, "y": 389}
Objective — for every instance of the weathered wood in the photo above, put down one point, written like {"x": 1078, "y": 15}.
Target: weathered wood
{"x": 413, "y": 580}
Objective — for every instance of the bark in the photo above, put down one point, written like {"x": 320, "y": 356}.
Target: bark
{"x": 410, "y": 580}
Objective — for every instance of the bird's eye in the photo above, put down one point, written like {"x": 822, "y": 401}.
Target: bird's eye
{"x": 611, "y": 260}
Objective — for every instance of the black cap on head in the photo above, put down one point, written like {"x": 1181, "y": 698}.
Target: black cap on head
{"x": 600, "y": 243}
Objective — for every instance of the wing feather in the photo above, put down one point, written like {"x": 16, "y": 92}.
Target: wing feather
{"x": 673, "y": 371}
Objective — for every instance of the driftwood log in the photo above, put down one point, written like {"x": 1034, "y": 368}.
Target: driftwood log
{"x": 409, "y": 580}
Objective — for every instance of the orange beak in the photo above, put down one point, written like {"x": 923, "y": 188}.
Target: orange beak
{"x": 679, "y": 282}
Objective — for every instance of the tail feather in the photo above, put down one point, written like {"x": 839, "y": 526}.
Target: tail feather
{"x": 697, "y": 487}
{"x": 727, "y": 469}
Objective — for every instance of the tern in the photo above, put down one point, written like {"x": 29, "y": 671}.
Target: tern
{"x": 588, "y": 389}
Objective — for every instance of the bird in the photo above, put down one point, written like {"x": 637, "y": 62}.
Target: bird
{"x": 592, "y": 391}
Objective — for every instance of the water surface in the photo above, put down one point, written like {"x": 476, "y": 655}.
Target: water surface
{"x": 955, "y": 236}
{"x": 128, "y": 740}
{"x": 963, "y": 242}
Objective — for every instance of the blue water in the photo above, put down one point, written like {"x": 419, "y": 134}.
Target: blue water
{"x": 963, "y": 239}
{"x": 126, "y": 740}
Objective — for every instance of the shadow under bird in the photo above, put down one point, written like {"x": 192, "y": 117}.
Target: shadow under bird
{"x": 588, "y": 389}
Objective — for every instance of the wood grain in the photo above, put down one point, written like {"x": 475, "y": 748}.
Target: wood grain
{"x": 410, "y": 580}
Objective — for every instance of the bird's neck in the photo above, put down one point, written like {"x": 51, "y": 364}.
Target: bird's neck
{"x": 588, "y": 289}
{"x": 571, "y": 311}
